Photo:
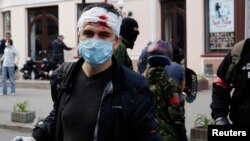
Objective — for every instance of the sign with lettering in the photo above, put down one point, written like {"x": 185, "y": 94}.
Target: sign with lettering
{"x": 221, "y": 16}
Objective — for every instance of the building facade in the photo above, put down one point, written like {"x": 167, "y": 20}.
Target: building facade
{"x": 206, "y": 30}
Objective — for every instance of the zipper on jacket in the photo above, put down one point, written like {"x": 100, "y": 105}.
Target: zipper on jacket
{"x": 107, "y": 90}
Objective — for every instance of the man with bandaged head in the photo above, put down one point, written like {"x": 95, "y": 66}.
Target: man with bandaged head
{"x": 100, "y": 100}
{"x": 129, "y": 32}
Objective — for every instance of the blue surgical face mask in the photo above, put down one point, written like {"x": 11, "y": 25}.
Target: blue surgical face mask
{"x": 95, "y": 52}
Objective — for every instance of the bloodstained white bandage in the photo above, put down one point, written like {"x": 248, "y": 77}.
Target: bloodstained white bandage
{"x": 102, "y": 16}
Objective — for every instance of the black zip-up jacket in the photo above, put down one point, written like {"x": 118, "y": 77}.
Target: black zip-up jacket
{"x": 237, "y": 105}
{"x": 2, "y": 46}
{"x": 126, "y": 112}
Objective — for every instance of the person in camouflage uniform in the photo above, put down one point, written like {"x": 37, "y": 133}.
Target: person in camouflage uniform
{"x": 169, "y": 112}
{"x": 129, "y": 32}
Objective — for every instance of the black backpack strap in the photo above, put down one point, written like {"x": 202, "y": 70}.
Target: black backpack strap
{"x": 60, "y": 77}
{"x": 235, "y": 53}
{"x": 64, "y": 74}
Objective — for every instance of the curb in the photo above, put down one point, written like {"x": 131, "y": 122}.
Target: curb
{"x": 16, "y": 127}
{"x": 35, "y": 84}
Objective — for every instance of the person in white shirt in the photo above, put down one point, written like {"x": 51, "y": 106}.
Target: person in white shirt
{"x": 10, "y": 59}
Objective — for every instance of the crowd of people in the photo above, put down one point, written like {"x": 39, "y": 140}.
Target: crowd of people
{"x": 31, "y": 72}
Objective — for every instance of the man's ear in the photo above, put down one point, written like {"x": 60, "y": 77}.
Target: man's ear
{"x": 118, "y": 42}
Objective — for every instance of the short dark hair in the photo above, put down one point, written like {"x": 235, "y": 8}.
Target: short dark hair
{"x": 108, "y": 7}
{"x": 8, "y": 33}
{"x": 11, "y": 42}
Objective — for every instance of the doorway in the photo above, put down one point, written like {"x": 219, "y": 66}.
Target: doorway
{"x": 173, "y": 15}
{"x": 43, "y": 29}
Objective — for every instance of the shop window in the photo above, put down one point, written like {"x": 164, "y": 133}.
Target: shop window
{"x": 220, "y": 20}
{"x": 6, "y": 22}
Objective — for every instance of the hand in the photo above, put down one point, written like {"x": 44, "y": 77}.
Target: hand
{"x": 20, "y": 138}
{"x": 221, "y": 121}
{"x": 184, "y": 94}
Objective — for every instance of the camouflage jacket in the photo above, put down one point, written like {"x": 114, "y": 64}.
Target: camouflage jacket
{"x": 169, "y": 112}
{"x": 122, "y": 56}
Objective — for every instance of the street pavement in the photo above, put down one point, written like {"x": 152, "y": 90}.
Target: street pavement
{"x": 201, "y": 106}
{"x": 40, "y": 101}
{"x": 9, "y": 134}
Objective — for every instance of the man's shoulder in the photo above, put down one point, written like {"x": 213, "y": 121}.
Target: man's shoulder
{"x": 133, "y": 78}
{"x": 175, "y": 66}
{"x": 121, "y": 48}
{"x": 56, "y": 41}
{"x": 14, "y": 48}
{"x": 122, "y": 45}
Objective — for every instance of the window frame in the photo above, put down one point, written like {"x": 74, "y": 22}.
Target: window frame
{"x": 239, "y": 24}
{"x": 4, "y": 22}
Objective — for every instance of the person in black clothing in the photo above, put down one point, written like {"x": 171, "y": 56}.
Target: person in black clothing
{"x": 45, "y": 69}
{"x": 57, "y": 51}
{"x": 129, "y": 32}
{"x": 28, "y": 68}
{"x": 3, "y": 41}
{"x": 236, "y": 105}
{"x": 99, "y": 99}
{"x": 178, "y": 55}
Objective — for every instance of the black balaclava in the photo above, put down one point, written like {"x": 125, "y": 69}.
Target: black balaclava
{"x": 128, "y": 32}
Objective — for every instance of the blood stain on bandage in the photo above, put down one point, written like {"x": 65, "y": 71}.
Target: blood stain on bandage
{"x": 103, "y": 19}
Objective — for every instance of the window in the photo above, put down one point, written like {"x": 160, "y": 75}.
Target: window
{"x": 6, "y": 22}
{"x": 43, "y": 29}
{"x": 220, "y": 20}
